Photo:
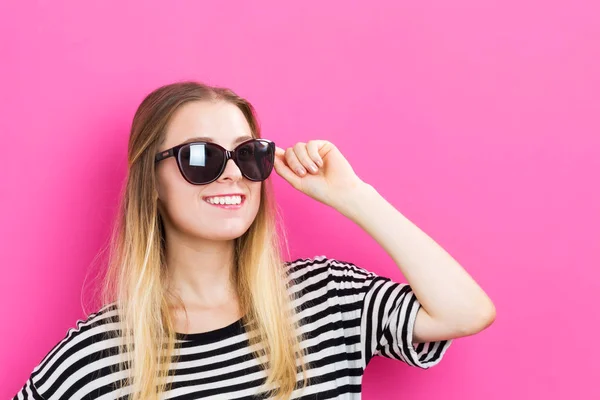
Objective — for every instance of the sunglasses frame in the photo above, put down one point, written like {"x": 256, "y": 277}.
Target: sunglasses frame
{"x": 229, "y": 154}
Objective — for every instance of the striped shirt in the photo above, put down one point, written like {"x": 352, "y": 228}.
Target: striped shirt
{"x": 349, "y": 316}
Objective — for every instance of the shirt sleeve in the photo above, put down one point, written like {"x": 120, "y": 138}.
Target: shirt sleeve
{"x": 28, "y": 392}
{"x": 82, "y": 345}
{"x": 387, "y": 312}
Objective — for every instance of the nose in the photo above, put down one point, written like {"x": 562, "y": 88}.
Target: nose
{"x": 231, "y": 172}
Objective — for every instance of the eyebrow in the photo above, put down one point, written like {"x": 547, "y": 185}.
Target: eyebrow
{"x": 209, "y": 139}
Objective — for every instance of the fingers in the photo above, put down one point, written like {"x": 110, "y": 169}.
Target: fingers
{"x": 284, "y": 170}
{"x": 312, "y": 147}
{"x": 301, "y": 154}
{"x": 292, "y": 160}
{"x": 302, "y": 157}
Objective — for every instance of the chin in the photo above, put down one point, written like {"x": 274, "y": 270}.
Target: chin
{"x": 226, "y": 233}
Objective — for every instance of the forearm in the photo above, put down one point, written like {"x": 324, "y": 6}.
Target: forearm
{"x": 444, "y": 289}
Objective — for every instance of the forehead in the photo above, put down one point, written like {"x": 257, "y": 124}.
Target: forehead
{"x": 221, "y": 121}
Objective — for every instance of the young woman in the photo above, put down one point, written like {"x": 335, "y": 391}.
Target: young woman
{"x": 198, "y": 303}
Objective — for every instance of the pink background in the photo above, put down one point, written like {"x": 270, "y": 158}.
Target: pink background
{"x": 479, "y": 120}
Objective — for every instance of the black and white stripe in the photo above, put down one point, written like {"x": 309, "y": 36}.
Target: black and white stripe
{"x": 349, "y": 315}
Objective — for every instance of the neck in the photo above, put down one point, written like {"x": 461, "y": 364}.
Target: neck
{"x": 201, "y": 271}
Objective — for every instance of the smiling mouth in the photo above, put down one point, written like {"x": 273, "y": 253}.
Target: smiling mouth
{"x": 231, "y": 202}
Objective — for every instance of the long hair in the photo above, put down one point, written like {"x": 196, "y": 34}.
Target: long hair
{"x": 136, "y": 278}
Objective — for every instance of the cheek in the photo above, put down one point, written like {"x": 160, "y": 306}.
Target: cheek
{"x": 174, "y": 190}
{"x": 167, "y": 177}
{"x": 255, "y": 192}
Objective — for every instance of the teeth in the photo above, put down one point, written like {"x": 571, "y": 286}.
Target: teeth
{"x": 225, "y": 200}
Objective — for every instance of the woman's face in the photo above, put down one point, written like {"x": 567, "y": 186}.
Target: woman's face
{"x": 184, "y": 206}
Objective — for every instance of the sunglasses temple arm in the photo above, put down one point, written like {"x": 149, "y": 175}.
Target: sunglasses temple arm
{"x": 163, "y": 155}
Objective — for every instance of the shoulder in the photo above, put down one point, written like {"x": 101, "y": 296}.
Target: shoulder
{"x": 335, "y": 272}
{"x": 87, "y": 341}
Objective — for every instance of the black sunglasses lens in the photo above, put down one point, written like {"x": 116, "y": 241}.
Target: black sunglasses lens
{"x": 201, "y": 162}
{"x": 255, "y": 159}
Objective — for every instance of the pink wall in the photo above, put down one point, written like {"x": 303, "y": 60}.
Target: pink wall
{"x": 479, "y": 120}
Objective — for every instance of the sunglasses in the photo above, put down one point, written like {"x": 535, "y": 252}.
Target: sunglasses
{"x": 201, "y": 163}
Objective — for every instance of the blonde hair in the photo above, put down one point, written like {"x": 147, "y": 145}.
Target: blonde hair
{"x": 136, "y": 278}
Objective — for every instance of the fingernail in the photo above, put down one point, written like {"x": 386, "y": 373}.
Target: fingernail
{"x": 301, "y": 171}
{"x": 320, "y": 162}
{"x": 314, "y": 168}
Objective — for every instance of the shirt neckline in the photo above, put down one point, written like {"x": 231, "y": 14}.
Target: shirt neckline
{"x": 216, "y": 334}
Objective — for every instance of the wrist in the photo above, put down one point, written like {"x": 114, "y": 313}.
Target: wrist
{"x": 353, "y": 202}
